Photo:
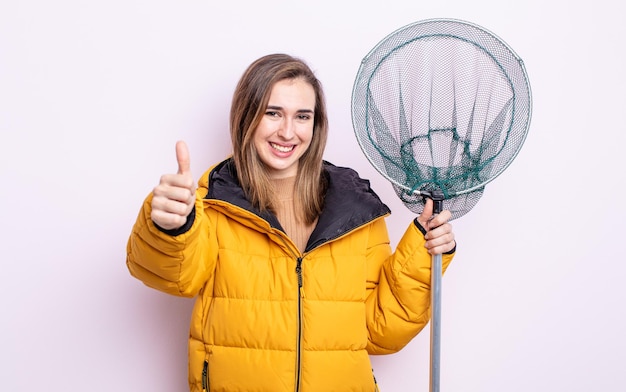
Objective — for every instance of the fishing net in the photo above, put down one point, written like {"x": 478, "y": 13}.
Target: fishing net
{"x": 440, "y": 108}
{"x": 441, "y": 105}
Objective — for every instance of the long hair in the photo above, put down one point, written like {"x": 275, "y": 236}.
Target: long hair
{"x": 249, "y": 103}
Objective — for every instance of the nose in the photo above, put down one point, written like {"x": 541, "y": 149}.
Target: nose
{"x": 286, "y": 129}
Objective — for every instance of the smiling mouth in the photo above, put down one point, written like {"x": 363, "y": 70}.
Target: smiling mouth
{"x": 282, "y": 148}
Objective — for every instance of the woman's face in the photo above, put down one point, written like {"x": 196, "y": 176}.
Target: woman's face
{"x": 285, "y": 131}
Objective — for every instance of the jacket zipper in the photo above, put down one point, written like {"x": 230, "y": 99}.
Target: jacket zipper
{"x": 375, "y": 383}
{"x": 299, "y": 337}
{"x": 205, "y": 376}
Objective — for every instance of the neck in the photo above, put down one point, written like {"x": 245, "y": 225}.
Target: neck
{"x": 285, "y": 211}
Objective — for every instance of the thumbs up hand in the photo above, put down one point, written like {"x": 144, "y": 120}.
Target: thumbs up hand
{"x": 174, "y": 197}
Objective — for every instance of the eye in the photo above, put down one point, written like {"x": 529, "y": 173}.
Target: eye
{"x": 272, "y": 113}
{"x": 304, "y": 116}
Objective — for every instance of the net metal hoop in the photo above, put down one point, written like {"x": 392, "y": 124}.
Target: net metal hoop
{"x": 503, "y": 56}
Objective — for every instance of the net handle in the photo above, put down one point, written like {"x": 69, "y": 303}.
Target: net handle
{"x": 436, "y": 273}
{"x": 435, "y": 323}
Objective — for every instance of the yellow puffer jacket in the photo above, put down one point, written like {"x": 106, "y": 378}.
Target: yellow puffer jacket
{"x": 270, "y": 318}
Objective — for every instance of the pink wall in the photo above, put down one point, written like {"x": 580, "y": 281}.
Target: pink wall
{"x": 93, "y": 96}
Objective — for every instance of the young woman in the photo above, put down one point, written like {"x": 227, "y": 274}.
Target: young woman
{"x": 287, "y": 255}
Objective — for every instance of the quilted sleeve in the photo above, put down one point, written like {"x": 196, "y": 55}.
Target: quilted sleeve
{"x": 176, "y": 264}
{"x": 398, "y": 303}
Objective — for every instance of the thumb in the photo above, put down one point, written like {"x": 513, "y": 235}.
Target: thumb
{"x": 427, "y": 213}
{"x": 182, "y": 157}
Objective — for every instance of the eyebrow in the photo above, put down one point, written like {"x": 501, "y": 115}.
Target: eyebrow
{"x": 273, "y": 107}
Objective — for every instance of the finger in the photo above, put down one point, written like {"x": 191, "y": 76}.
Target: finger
{"x": 438, "y": 225}
{"x": 167, "y": 220}
{"x": 446, "y": 246}
{"x": 442, "y": 240}
{"x": 171, "y": 206}
{"x": 439, "y": 232}
{"x": 182, "y": 157}
{"x": 175, "y": 191}
{"x": 176, "y": 181}
{"x": 441, "y": 249}
{"x": 441, "y": 218}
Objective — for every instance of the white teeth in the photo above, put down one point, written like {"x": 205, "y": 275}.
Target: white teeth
{"x": 281, "y": 148}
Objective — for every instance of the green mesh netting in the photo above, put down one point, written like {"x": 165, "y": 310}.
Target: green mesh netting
{"x": 441, "y": 105}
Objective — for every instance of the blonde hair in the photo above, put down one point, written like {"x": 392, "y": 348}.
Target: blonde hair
{"x": 248, "y": 106}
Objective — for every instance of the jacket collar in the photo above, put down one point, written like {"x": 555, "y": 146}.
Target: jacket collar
{"x": 349, "y": 203}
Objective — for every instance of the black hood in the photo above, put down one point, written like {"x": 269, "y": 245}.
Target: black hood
{"x": 349, "y": 202}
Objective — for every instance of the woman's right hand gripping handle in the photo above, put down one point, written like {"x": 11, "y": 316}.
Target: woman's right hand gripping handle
{"x": 174, "y": 198}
